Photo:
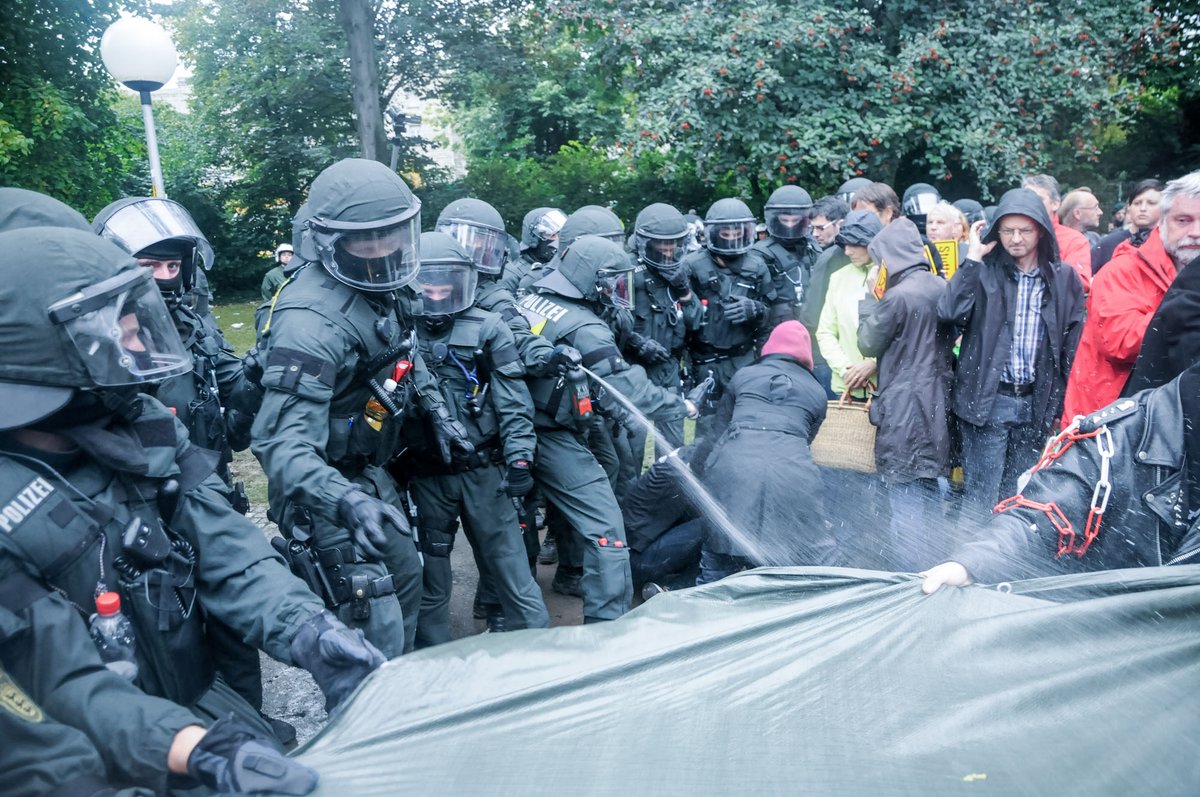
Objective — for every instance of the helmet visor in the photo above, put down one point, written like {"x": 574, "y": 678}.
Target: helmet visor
{"x": 788, "y": 224}
{"x": 920, "y": 204}
{"x": 549, "y": 224}
{"x": 729, "y": 237}
{"x": 616, "y": 288}
{"x": 665, "y": 253}
{"x": 446, "y": 288}
{"x": 123, "y": 331}
{"x": 142, "y": 224}
{"x": 381, "y": 259}
{"x": 487, "y": 247}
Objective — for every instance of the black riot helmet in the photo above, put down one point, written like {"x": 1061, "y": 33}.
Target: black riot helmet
{"x": 919, "y": 199}
{"x": 88, "y": 322}
{"x": 729, "y": 227}
{"x": 971, "y": 209}
{"x": 363, "y": 224}
{"x": 593, "y": 269}
{"x": 153, "y": 228}
{"x": 22, "y": 208}
{"x": 591, "y": 220}
{"x": 848, "y": 189}
{"x": 787, "y": 213}
{"x": 447, "y": 278}
{"x": 660, "y": 235}
{"x": 479, "y": 228}
{"x": 539, "y": 233}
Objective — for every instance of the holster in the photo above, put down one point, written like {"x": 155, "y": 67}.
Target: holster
{"x": 324, "y": 571}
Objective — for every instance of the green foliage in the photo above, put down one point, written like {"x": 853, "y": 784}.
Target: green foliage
{"x": 972, "y": 95}
{"x": 58, "y": 133}
{"x": 576, "y": 175}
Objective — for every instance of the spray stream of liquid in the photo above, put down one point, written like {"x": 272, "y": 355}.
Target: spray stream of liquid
{"x": 701, "y": 498}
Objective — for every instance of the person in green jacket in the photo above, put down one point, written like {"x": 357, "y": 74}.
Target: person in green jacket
{"x": 279, "y": 273}
{"x": 71, "y": 726}
{"x": 473, "y": 355}
{"x": 100, "y": 488}
{"x": 334, "y": 335}
{"x": 591, "y": 274}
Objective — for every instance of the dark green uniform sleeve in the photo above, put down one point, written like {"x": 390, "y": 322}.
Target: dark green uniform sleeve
{"x": 51, "y": 656}
{"x": 271, "y": 282}
{"x": 599, "y": 349}
{"x": 292, "y": 428}
{"x": 510, "y": 395}
{"x": 242, "y": 581}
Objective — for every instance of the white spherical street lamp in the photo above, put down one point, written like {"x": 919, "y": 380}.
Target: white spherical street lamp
{"x": 139, "y": 54}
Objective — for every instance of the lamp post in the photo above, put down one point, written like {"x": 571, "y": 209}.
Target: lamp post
{"x": 139, "y": 54}
{"x": 400, "y": 124}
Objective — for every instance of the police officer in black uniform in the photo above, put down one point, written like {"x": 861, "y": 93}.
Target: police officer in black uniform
{"x": 539, "y": 242}
{"x": 665, "y": 308}
{"x": 788, "y": 250}
{"x": 735, "y": 289}
{"x": 336, "y": 332}
{"x": 475, "y": 359}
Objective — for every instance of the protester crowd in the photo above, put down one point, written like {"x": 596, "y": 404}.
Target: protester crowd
{"x": 875, "y": 380}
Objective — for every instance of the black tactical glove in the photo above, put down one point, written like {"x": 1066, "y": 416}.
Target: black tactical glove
{"x": 564, "y": 358}
{"x": 519, "y": 479}
{"x": 232, "y": 758}
{"x": 364, "y": 515}
{"x": 742, "y": 310}
{"x": 338, "y": 658}
{"x": 650, "y": 351}
{"x": 252, "y": 367}
{"x": 452, "y": 437}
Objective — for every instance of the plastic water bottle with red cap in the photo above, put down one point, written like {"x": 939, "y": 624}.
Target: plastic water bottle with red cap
{"x": 113, "y": 634}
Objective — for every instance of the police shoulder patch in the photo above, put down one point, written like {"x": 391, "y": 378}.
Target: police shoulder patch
{"x": 29, "y": 498}
{"x": 16, "y": 702}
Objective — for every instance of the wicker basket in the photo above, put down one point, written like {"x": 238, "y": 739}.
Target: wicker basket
{"x": 847, "y": 437}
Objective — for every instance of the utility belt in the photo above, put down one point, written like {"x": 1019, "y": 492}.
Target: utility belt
{"x": 324, "y": 571}
{"x": 706, "y": 355}
{"x": 1017, "y": 390}
{"x": 484, "y": 455}
{"x": 736, "y": 427}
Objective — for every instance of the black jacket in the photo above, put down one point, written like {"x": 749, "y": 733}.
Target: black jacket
{"x": 1172, "y": 341}
{"x": 902, "y": 330}
{"x": 1145, "y": 523}
{"x": 761, "y": 469}
{"x": 981, "y": 302}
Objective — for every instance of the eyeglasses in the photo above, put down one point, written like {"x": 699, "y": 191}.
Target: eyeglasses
{"x": 825, "y": 226}
{"x": 1013, "y": 232}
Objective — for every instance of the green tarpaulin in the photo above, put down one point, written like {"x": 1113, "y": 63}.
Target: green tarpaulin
{"x": 802, "y": 681}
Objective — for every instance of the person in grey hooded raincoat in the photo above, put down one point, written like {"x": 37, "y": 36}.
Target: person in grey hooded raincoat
{"x": 912, "y": 446}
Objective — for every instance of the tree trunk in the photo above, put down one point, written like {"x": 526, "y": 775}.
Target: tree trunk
{"x": 358, "y": 21}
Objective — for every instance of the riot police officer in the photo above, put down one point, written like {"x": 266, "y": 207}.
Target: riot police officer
{"x": 788, "y": 250}
{"x": 664, "y": 307}
{"x": 734, "y": 286}
{"x": 591, "y": 273}
{"x": 539, "y": 242}
{"x": 215, "y": 400}
{"x": 101, "y": 488}
{"x": 475, "y": 359}
{"x": 340, "y": 328}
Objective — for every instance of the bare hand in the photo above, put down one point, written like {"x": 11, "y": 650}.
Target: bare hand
{"x": 949, "y": 573}
{"x": 693, "y": 411}
{"x": 976, "y": 249}
{"x": 859, "y": 376}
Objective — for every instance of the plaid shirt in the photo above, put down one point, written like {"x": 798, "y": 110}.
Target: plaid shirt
{"x": 1027, "y": 329}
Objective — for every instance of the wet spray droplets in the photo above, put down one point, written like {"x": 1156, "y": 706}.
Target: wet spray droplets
{"x": 702, "y": 499}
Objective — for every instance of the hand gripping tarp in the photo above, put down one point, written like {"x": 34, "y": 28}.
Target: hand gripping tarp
{"x": 802, "y": 681}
